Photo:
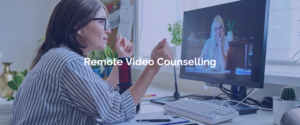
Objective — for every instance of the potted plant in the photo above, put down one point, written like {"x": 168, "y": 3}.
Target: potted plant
{"x": 16, "y": 82}
{"x": 230, "y": 35}
{"x": 98, "y": 69}
{"x": 176, "y": 32}
{"x": 108, "y": 55}
{"x": 287, "y": 101}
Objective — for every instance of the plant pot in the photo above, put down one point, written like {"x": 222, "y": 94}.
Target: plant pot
{"x": 281, "y": 106}
{"x": 97, "y": 71}
{"x": 230, "y": 36}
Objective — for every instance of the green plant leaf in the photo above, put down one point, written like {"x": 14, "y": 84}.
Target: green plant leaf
{"x": 232, "y": 24}
{"x": 10, "y": 98}
{"x": 229, "y": 25}
{"x": 42, "y": 39}
{"x": 116, "y": 54}
{"x": 176, "y": 32}
{"x": 102, "y": 54}
{"x": 170, "y": 29}
{"x": 111, "y": 53}
{"x": 236, "y": 31}
{"x": 24, "y": 72}
{"x": 102, "y": 69}
{"x": 12, "y": 85}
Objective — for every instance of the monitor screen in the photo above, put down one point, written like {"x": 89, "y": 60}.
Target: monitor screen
{"x": 226, "y": 43}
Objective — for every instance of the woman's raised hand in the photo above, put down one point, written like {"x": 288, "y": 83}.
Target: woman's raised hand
{"x": 124, "y": 47}
{"x": 162, "y": 50}
{"x": 220, "y": 39}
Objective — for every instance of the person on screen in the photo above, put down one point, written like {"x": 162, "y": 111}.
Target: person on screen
{"x": 216, "y": 47}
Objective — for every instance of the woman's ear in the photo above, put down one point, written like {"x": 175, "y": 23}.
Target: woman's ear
{"x": 79, "y": 32}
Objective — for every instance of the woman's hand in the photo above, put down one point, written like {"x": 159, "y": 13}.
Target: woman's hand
{"x": 139, "y": 88}
{"x": 124, "y": 47}
{"x": 219, "y": 41}
{"x": 162, "y": 50}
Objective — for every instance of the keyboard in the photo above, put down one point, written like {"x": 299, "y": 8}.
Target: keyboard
{"x": 201, "y": 111}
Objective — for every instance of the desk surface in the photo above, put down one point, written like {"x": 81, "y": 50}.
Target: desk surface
{"x": 263, "y": 117}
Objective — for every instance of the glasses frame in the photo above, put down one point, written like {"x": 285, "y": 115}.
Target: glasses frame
{"x": 106, "y": 27}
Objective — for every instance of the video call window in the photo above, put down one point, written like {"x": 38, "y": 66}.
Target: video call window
{"x": 229, "y": 34}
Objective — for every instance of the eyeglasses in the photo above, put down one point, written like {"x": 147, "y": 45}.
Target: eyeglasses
{"x": 105, "y": 22}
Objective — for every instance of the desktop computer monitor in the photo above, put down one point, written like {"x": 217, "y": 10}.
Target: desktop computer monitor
{"x": 227, "y": 43}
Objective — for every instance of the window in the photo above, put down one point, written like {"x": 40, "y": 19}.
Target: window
{"x": 153, "y": 19}
{"x": 284, "y": 30}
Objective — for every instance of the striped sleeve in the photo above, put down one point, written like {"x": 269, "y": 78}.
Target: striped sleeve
{"x": 83, "y": 89}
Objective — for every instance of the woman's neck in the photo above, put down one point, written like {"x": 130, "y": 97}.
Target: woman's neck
{"x": 85, "y": 52}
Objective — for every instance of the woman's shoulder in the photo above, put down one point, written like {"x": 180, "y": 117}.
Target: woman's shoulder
{"x": 60, "y": 56}
{"x": 208, "y": 41}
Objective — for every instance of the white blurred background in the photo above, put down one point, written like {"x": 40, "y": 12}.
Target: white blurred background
{"x": 22, "y": 24}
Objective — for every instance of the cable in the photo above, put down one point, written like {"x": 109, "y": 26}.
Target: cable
{"x": 247, "y": 105}
{"x": 245, "y": 97}
{"x": 241, "y": 102}
{"x": 214, "y": 94}
{"x": 257, "y": 93}
{"x": 230, "y": 96}
{"x": 255, "y": 102}
{"x": 250, "y": 91}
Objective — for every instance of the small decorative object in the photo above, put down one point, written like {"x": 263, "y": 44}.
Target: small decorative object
{"x": 291, "y": 117}
{"x": 230, "y": 35}
{"x": 176, "y": 32}
{"x": 6, "y": 76}
{"x": 288, "y": 93}
{"x": 16, "y": 82}
{"x": 287, "y": 101}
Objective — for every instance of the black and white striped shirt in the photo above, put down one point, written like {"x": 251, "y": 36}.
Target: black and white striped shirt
{"x": 61, "y": 90}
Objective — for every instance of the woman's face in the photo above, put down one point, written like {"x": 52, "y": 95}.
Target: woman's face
{"x": 219, "y": 30}
{"x": 94, "y": 35}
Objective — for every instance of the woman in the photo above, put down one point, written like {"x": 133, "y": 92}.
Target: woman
{"x": 61, "y": 90}
{"x": 216, "y": 47}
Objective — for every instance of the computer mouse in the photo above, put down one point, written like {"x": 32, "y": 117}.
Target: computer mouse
{"x": 267, "y": 102}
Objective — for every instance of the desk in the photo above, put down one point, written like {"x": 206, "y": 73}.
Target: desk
{"x": 261, "y": 118}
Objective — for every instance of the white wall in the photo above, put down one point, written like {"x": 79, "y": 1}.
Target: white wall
{"x": 22, "y": 24}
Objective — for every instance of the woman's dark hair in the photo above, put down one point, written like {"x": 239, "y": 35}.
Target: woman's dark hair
{"x": 67, "y": 15}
